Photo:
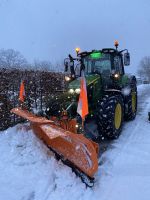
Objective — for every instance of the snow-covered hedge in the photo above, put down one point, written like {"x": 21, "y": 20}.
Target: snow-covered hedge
{"x": 39, "y": 86}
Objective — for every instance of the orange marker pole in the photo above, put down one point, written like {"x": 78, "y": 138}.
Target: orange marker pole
{"x": 22, "y": 93}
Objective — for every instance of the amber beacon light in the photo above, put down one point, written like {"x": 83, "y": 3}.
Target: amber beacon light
{"x": 77, "y": 50}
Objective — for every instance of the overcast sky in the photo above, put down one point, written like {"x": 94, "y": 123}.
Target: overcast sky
{"x": 50, "y": 29}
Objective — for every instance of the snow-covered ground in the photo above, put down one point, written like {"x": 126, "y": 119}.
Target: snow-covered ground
{"x": 29, "y": 172}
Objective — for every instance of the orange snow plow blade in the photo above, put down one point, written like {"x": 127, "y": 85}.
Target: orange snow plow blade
{"x": 76, "y": 148}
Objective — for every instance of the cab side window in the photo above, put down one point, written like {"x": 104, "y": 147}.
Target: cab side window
{"x": 88, "y": 66}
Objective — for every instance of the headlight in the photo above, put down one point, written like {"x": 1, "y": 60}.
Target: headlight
{"x": 116, "y": 75}
{"x": 71, "y": 91}
{"x": 77, "y": 90}
{"x": 67, "y": 78}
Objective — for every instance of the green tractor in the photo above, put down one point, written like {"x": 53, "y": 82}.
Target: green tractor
{"x": 112, "y": 94}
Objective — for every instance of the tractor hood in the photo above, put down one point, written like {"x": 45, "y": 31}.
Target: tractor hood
{"x": 75, "y": 84}
{"x": 68, "y": 101}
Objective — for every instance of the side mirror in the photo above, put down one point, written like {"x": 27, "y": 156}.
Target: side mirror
{"x": 69, "y": 66}
{"x": 72, "y": 69}
{"x": 82, "y": 65}
{"x": 127, "y": 59}
{"x": 71, "y": 63}
{"x": 66, "y": 64}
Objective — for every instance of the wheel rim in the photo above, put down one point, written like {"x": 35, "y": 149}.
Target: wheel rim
{"x": 118, "y": 116}
{"x": 133, "y": 102}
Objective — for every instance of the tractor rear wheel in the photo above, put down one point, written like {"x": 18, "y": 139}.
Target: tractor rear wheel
{"x": 110, "y": 116}
{"x": 131, "y": 104}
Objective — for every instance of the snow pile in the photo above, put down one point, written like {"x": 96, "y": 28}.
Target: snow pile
{"x": 29, "y": 171}
{"x": 142, "y": 88}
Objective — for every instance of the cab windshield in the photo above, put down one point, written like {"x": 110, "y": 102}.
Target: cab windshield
{"x": 100, "y": 65}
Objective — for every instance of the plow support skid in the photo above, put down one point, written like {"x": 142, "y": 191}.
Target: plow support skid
{"x": 75, "y": 148}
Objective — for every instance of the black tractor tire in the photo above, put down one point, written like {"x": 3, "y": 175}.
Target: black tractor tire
{"x": 110, "y": 116}
{"x": 131, "y": 103}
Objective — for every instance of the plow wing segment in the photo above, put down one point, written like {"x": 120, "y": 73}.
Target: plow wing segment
{"x": 75, "y": 148}
{"x": 70, "y": 146}
{"x": 29, "y": 116}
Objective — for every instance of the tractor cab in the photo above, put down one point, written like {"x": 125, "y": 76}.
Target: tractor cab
{"x": 108, "y": 63}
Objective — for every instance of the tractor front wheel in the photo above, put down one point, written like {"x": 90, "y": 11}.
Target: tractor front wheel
{"x": 110, "y": 116}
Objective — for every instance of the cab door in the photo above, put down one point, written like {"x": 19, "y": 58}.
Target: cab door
{"x": 118, "y": 65}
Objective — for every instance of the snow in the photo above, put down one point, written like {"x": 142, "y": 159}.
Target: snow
{"x": 126, "y": 91}
{"x": 51, "y": 131}
{"x": 30, "y": 172}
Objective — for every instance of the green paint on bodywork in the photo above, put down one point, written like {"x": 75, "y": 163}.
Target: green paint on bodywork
{"x": 89, "y": 80}
{"x": 124, "y": 80}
